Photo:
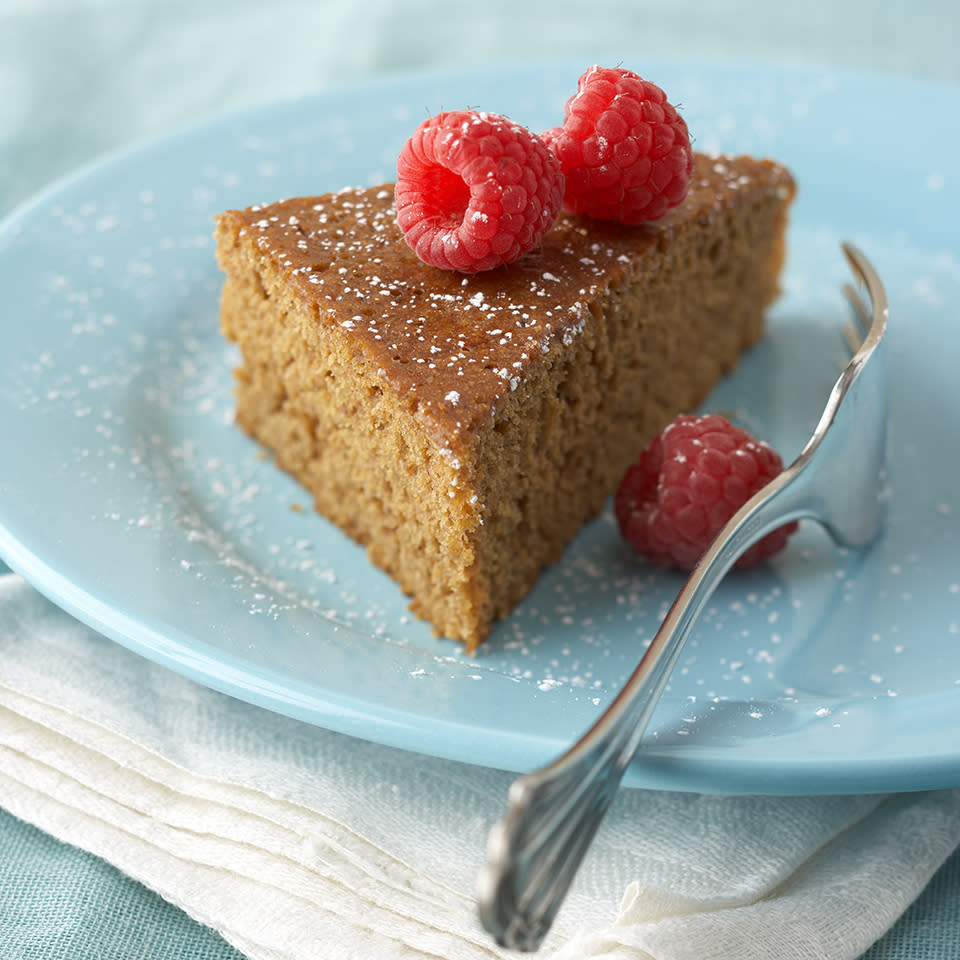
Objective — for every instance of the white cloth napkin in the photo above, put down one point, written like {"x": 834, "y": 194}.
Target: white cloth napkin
{"x": 292, "y": 841}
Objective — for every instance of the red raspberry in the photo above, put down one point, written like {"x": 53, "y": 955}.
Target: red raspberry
{"x": 687, "y": 483}
{"x": 625, "y": 150}
{"x": 475, "y": 190}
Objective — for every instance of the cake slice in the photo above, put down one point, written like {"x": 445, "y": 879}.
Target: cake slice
{"x": 464, "y": 428}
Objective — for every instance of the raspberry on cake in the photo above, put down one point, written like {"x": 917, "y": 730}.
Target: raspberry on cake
{"x": 475, "y": 191}
{"x": 624, "y": 150}
{"x": 465, "y": 427}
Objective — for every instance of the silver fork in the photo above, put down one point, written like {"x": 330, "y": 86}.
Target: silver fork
{"x": 534, "y": 852}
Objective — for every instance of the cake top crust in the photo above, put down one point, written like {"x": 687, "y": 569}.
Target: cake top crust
{"x": 454, "y": 345}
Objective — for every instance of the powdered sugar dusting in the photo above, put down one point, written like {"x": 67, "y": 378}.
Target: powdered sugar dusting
{"x": 127, "y": 404}
{"x": 153, "y": 409}
{"x": 435, "y": 332}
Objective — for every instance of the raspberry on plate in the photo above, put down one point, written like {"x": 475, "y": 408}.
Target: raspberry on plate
{"x": 688, "y": 482}
{"x": 475, "y": 190}
{"x": 624, "y": 149}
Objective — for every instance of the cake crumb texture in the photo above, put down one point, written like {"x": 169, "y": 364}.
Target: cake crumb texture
{"x": 464, "y": 428}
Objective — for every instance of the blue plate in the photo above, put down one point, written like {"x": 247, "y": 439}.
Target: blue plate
{"x": 127, "y": 496}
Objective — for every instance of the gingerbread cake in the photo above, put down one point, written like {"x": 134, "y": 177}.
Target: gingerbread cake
{"x": 464, "y": 428}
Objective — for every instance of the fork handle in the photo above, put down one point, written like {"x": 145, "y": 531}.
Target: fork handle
{"x": 534, "y": 852}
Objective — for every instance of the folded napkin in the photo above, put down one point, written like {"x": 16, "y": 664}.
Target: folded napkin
{"x": 293, "y": 841}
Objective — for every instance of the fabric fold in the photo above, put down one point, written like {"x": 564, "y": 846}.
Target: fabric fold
{"x": 286, "y": 838}
{"x": 831, "y": 907}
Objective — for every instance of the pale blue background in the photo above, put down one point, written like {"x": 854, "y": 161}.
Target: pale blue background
{"x": 78, "y": 79}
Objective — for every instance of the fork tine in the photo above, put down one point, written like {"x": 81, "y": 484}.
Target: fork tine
{"x": 855, "y": 330}
{"x": 859, "y": 307}
{"x": 873, "y": 320}
{"x": 869, "y": 323}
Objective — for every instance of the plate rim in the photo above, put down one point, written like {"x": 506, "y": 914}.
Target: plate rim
{"x": 87, "y": 608}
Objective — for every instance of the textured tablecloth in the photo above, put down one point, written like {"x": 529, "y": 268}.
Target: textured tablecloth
{"x": 81, "y": 78}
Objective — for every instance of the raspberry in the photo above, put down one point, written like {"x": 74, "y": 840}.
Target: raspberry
{"x": 475, "y": 190}
{"x": 687, "y": 483}
{"x": 625, "y": 150}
